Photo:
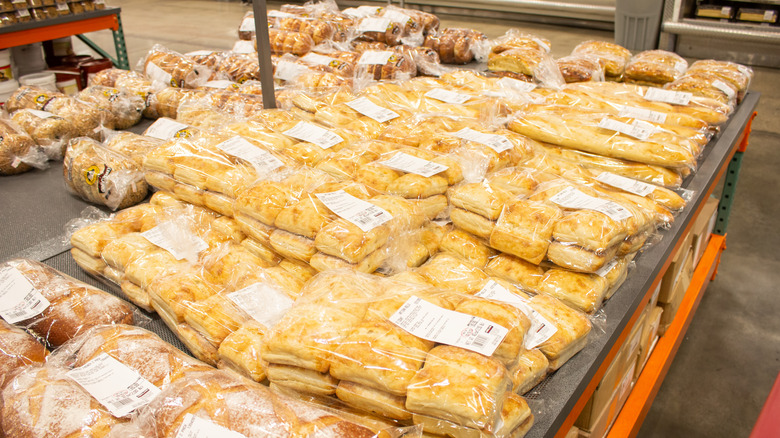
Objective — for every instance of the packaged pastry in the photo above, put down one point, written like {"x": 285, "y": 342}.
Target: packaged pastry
{"x": 64, "y": 308}
{"x": 84, "y": 117}
{"x": 384, "y": 65}
{"x": 18, "y": 151}
{"x": 50, "y": 132}
{"x": 454, "y": 45}
{"x": 380, "y": 29}
{"x": 700, "y": 83}
{"x": 166, "y": 68}
{"x": 102, "y": 176}
{"x": 337, "y": 62}
{"x": 319, "y": 30}
{"x": 655, "y": 68}
{"x": 514, "y": 39}
{"x": 285, "y": 41}
{"x": 134, "y": 146}
{"x": 581, "y": 68}
{"x": 118, "y": 109}
{"x": 738, "y": 75}
{"x": 613, "y": 56}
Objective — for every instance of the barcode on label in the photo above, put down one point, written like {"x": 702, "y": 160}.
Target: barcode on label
{"x": 498, "y": 143}
{"x": 638, "y": 188}
{"x": 572, "y": 198}
{"x": 374, "y": 24}
{"x": 448, "y": 96}
{"x": 362, "y": 214}
{"x": 642, "y": 114}
{"x": 372, "y": 110}
{"x": 411, "y": 164}
{"x": 479, "y": 341}
{"x": 19, "y": 300}
{"x": 668, "y": 96}
{"x": 637, "y": 131}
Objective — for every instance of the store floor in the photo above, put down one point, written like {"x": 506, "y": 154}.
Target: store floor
{"x": 731, "y": 355}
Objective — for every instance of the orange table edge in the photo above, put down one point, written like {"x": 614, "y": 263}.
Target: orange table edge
{"x": 61, "y": 30}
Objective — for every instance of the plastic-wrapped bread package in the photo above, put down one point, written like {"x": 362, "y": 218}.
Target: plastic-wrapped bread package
{"x": 383, "y": 65}
{"x": 246, "y": 30}
{"x": 456, "y": 46}
{"x": 102, "y": 176}
{"x": 226, "y": 404}
{"x": 366, "y": 116}
{"x": 284, "y": 41}
{"x": 236, "y": 67}
{"x": 351, "y": 336}
{"x": 701, "y": 83}
{"x": 337, "y": 62}
{"x": 416, "y": 129}
{"x": 426, "y": 59}
{"x": 605, "y": 135}
{"x": 581, "y": 68}
{"x": 134, "y": 146}
{"x": 467, "y": 246}
{"x": 613, "y": 56}
{"x": 18, "y": 151}
{"x": 427, "y": 22}
{"x": 736, "y": 74}
{"x": 85, "y": 118}
{"x": 518, "y": 52}
{"x": 379, "y": 29}
{"x": 344, "y": 163}
{"x": 655, "y": 68}
{"x": 415, "y": 174}
{"x": 18, "y": 349}
{"x": 166, "y": 68}
{"x": 413, "y": 28}
{"x": 107, "y": 77}
{"x": 118, "y": 109}
{"x": 319, "y": 30}
{"x": 50, "y": 132}
{"x": 135, "y": 83}
{"x": 302, "y": 103}
{"x": 62, "y": 307}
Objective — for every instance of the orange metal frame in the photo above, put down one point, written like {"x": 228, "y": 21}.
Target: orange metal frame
{"x": 61, "y": 30}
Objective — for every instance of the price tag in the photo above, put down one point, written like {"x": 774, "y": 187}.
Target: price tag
{"x": 541, "y": 329}
{"x": 263, "y": 162}
{"x": 247, "y": 24}
{"x": 374, "y": 24}
{"x": 18, "y": 298}
{"x": 436, "y": 324}
{"x": 24, "y": 12}
{"x": 498, "y": 143}
{"x": 288, "y": 71}
{"x": 373, "y": 57}
{"x": 314, "y": 134}
{"x": 572, "y": 198}
{"x": 176, "y": 240}
{"x": 769, "y": 15}
{"x": 166, "y": 129}
{"x": 397, "y": 16}
{"x": 265, "y": 304}
{"x": 725, "y": 88}
{"x": 372, "y": 110}
{"x": 243, "y": 46}
{"x": 638, "y": 188}
{"x": 280, "y": 14}
{"x": 196, "y": 427}
{"x": 40, "y": 114}
{"x": 221, "y": 84}
{"x": 744, "y": 70}
{"x": 411, "y": 164}
{"x": 517, "y": 85}
{"x": 448, "y": 96}
{"x": 200, "y": 53}
{"x": 541, "y": 44}
{"x": 156, "y": 74}
{"x": 62, "y": 7}
{"x": 312, "y": 58}
{"x": 360, "y": 213}
{"x": 726, "y": 10}
{"x": 606, "y": 268}
{"x": 642, "y": 114}
{"x": 680, "y": 67}
{"x": 668, "y": 96}
{"x": 116, "y": 386}
{"x": 637, "y": 131}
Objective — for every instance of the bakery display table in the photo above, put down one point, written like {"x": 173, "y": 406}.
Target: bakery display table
{"x": 71, "y": 25}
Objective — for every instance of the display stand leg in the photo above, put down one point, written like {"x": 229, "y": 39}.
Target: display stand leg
{"x": 730, "y": 182}
{"x": 121, "y": 60}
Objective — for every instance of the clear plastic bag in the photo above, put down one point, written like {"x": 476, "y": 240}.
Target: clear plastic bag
{"x": 383, "y": 65}
{"x": 166, "y": 68}
{"x": 454, "y": 45}
{"x": 118, "y": 109}
{"x": 18, "y": 349}
{"x": 581, "y": 68}
{"x": 18, "y": 151}
{"x": 738, "y": 75}
{"x": 614, "y": 57}
{"x": 50, "y": 132}
{"x": 711, "y": 86}
{"x": 85, "y": 118}
{"x": 284, "y": 41}
{"x": 655, "y": 68}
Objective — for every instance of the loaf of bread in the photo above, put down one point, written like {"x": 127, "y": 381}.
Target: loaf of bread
{"x": 455, "y": 46}
{"x": 704, "y": 84}
{"x": 84, "y": 118}
{"x": 284, "y": 41}
{"x": 166, "y": 68}
{"x": 18, "y": 349}
{"x": 50, "y": 132}
{"x": 118, "y": 109}
{"x": 581, "y": 68}
{"x": 655, "y": 67}
{"x": 613, "y": 56}
{"x": 18, "y": 151}
{"x": 381, "y": 30}
{"x": 319, "y": 30}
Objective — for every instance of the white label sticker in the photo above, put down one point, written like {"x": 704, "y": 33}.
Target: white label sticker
{"x": 247, "y": 24}
{"x": 769, "y": 15}
{"x": 100, "y": 2}
{"x": 200, "y": 53}
{"x": 541, "y": 329}
{"x": 289, "y": 71}
{"x": 372, "y": 57}
{"x": 264, "y": 303}
{"x": 361, "y": 11}
{"x": 572, "y": 198}
{"x": 165, "y": 129}
{"x": 372, "y": 110}
{"x": 263, "y": 162}
{"x": 447, "y": 96}
{"x": 314, "y": 134}
{"x": 362, "y": 214}
{"x": 724, "y": 87}
{"x": 26, "y": 13}
{"x": 243, "y": 46}
{"x": 397, "y": 16}
{"x": 196, "y": 427}
{"x": 542, "y": 44}
{"x": 436, "y": 324}
{"x": 176, "y": 240}
{"x": 606, "y": 268}
{"x": 312, "y": 58}
{"x": 221, "y": 84}
{"x": 642, "y": 114}
{"x": 668, "y": 96}
{"x": 40, "y": 114}
{"x": 156, "y": 74}
{"x": 498, "y": 143}
{"x": 280, "y": 14}
{"x": 116, "y": 386}
{"x": 517, "y": 85}
{"x": 744, "y": 70}
{"x": 637, "y": 131}
{"x": 62, "y": 6}
{"x": 638, "y": 188}
{"x": 374, "y": 24}
{"x": 726, "y": 10}
{"x": 18, "y": 298}
{"x": 680, "y": 67}
{"x": 411, "y": 164}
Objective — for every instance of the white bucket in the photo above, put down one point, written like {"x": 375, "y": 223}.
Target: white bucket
{"x": 44, "y": 79}
{"x": 7, "y": 88}
{"x": 69, "y": 87}
{"x": 28, "y": 59}
{"x": 5, "y": 65}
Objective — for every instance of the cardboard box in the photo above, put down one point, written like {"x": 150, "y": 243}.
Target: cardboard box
{"x": 678, "y": 293}
{"x": 649, "y": 335}
{"x": 673, "y": 272}
{"x": 607, "y": 416}
{"x": 703, "y": 226}
{"x": 654, "y": 298}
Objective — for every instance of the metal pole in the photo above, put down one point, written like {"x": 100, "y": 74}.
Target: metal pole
{"x": 264, "y": 53}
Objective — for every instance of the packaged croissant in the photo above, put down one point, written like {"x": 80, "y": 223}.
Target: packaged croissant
{"x": 102, "y": 176}
{"x": 18, "y": 151}
{"x": 50, "y": 132}
{"x": 369, "y": 354}
{"x": 456, "y": 46}
{"x": 55, "y": 307}
{"x": 84, "y": 118}
{"x": 166, "y": 68}
{"x": 118, "y": 109}
{"x": 655, "y": 68}
{"x": 613, "y": 56}
{"x": 18, "y": 350}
